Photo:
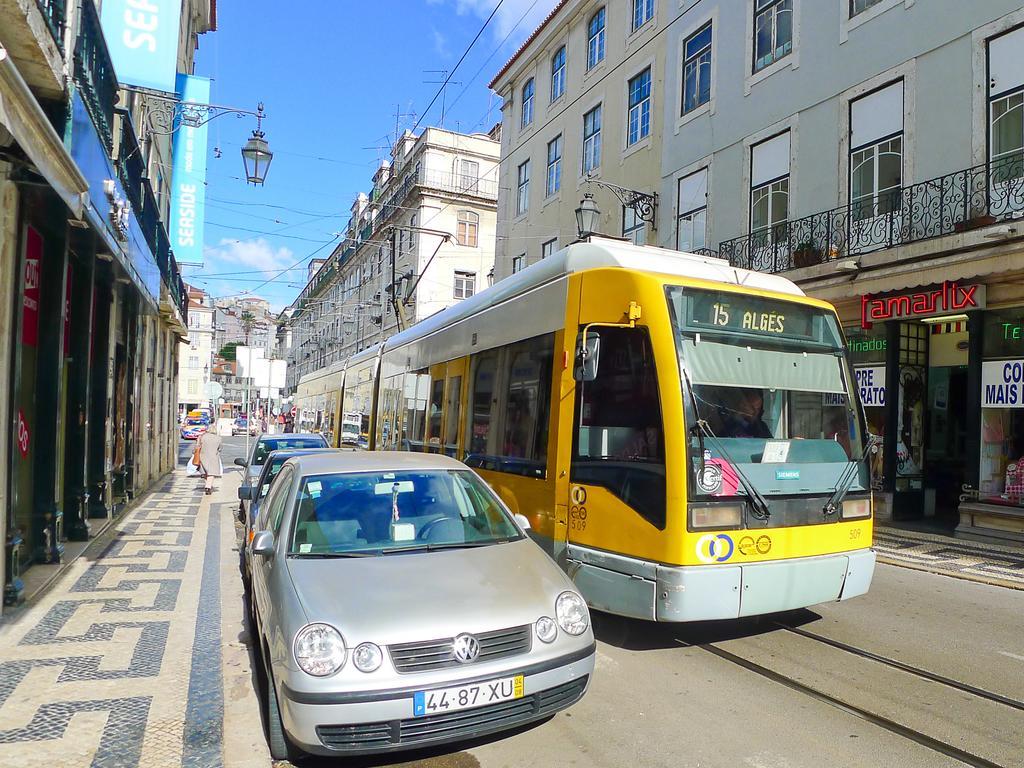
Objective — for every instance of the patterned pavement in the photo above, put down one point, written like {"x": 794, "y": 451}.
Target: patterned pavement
{"x": 962, "y": 558}
{"x": 120, "y": 663}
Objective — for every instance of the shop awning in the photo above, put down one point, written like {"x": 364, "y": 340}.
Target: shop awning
{"x": 21, "y": 114}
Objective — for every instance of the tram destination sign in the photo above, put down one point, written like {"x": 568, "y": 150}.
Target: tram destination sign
{"x": 951, "y": 298}
{"x": 721, "y": 311}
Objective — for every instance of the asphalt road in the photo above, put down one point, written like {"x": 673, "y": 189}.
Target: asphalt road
{"x": 754, "y": 693}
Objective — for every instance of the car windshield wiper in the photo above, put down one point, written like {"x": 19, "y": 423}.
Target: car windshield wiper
{"x": 441, "y": 545}
{"x": 846, "y": 478}
{"x": 325, "y": 555}
{"x": 761, "y": 509}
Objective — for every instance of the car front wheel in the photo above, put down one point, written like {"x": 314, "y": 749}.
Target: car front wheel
{"x": 280, "y": 747}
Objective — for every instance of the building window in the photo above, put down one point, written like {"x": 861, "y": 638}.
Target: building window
{"x": 527, "y": 103}
{"x": 859, "y": 6}
{"x": 193, "y": 361}
{"x": 469, "y": 175}
{"x": 632, "y": 226}
{"x": 773, "y": 31}
{"x": 692, "y": 217}
{"x": 876, "y": 155}
{"x": 697, "y": 69}
{"x": 1008, "y": 133}
{"x": 769, "y": 184}
{"x": 468, "y": 228}
{"x": 1006, "y": 121}
{"x": 553, "y": 180}
{"x": 523, "y": 188}
{"x": 193, "y": 387}
{"x": 592, "y": 140}
{"x": 643, "y": 11}
{"x": 549, "y": 247}
{"x": 639, "y": 107}
{"x": 558, "y": 73}
{"x": 518, "y": 262}
{"x": 465, "y": 284}
{"x": 595, "y": 39}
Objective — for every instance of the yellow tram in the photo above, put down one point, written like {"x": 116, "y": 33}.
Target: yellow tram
{"x": 683, "y": 436}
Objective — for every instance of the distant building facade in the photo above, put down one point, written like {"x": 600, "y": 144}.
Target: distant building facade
{"x": 232, "y": 323}
{"x": 195, "y": 353}
{"x": 422, "y": 239}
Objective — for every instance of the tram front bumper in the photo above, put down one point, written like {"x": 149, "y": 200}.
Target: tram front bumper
{"x": 704, "y": 592}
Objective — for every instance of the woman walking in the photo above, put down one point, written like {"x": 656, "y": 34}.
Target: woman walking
{"x": 209, "y": 458}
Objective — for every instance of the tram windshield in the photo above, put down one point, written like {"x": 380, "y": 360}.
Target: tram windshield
{"x": 769, "y": 382}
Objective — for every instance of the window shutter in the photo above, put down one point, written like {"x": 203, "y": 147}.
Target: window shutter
{"x": 876, "y": 115}
{"x": 770, "y": 160}
{"x": 1006, "y": 62}
{"x": 693, "y": 191}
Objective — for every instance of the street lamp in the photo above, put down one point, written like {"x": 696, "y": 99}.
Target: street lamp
{"x": 256, "y": 155}
{"x": 587, "y": 216}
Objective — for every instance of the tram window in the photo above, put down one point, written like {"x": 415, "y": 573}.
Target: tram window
{"x": 527, "y": 407}
{"x": 416, "y": 387}
{"x": 619, "y": 436}
{"x": 434, "y": 415}
{"x": 481, "y": 405}
{"x": 451, "y": 430}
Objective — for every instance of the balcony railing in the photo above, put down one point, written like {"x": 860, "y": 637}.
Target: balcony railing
{"x": 94, "y": 73}
{"x": 55, "y": 14}
{"x": 956, "y": 202}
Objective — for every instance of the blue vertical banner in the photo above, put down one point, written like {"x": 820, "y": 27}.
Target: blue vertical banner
{"x": 142, "y": 37}
{"x": 188, "y": 177}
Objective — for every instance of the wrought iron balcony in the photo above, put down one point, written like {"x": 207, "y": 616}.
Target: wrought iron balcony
{"x": 55, "y": 14}
{"x": 94, "y": 73}
{"x": 957, "y": 202}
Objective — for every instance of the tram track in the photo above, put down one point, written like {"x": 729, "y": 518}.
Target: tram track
{"x": 871, "y": 710}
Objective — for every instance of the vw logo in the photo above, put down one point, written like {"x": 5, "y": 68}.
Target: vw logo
{"x": 465, "y": 649}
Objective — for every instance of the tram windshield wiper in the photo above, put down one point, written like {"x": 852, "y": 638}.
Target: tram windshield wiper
{"x": 761, "y": 508}
{"x": 845, "y": 480}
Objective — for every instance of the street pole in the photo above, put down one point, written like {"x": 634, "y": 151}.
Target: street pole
{"x": 248, "y": 416}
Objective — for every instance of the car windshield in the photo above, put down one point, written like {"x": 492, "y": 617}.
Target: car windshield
{"x": 265, "y": 446}
{"x": 276, "y": 462}
{"x": 381, "y": 513}
{"x": 194, "y": 422}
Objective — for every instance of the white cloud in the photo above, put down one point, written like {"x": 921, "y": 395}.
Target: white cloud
{"x": 256, "y": 255}
{"x": 530, "y": 12}
{"x": 440, "y": 44}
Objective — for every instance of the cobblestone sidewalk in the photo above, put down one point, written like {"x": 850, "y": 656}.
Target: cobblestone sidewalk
{"x": 119, "y": 664}
{"x": 966, "y": 559}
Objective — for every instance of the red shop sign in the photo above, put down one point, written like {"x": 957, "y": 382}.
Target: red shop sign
{"x": 30, "y": 292}
{"x": 951, "y": 298}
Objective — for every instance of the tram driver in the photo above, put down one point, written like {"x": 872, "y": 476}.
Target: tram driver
{"x": 746, "y": 419}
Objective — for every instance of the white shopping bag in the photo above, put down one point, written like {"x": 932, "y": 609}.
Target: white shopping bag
{"x": 191, "y": 470}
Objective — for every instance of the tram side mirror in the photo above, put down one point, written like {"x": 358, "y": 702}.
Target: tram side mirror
{"x": 588, "y": 351}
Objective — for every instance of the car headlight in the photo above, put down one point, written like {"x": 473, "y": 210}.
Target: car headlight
{"x": 571, "y": 612}
{"x": 367, "y": 657}
{"x": 855, "y": 508}
{"x": 715, "y": 516}
{"x": 546, "y": 629}
{"x": 319, "y": 650}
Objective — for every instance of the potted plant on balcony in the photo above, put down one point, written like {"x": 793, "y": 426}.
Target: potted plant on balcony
{"x": 975, "y": 222}
{"x": 806, "y": 254}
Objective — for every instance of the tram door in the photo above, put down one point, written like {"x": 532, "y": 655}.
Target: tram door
{"x": 444, "y": 407}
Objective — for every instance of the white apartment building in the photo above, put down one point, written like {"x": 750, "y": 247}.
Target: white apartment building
{"x": 581, "y": 115}
{"x": 422, "y": 240}
{"x": 195, "y": 354}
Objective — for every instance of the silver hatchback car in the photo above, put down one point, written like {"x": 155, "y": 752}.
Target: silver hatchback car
{"x": 398, "y": 604}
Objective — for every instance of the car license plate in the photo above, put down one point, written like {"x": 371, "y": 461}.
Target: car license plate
{"x": 466, "y": 696}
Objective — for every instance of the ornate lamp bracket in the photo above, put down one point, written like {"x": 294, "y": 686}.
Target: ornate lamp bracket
{"x": 166, "y": 113}
{"x": 644, "y": 205}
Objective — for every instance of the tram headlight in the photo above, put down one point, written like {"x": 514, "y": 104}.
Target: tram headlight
{"x": 715, "y": 516}
{"x": 854, "y": 509}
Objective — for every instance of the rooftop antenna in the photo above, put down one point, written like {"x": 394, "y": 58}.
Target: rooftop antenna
{"x": 444, "y": 87}
{"x": 399, "y": 114}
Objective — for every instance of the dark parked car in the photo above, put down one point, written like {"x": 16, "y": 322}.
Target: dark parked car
{"x": 253, "y": 465}
{"x": 250, "y": 496}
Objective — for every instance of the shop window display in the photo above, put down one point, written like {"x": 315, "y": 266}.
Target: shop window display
{"x": 1002, "y": 456}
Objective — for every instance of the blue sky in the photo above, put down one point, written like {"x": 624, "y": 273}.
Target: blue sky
{"x": 331, "y": 79}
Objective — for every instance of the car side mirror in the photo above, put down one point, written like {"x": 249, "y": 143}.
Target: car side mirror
{"x": 263, "y": 544}
{"x": 245, "y": 493}
{"x": 588, "y": 351}
{"x": 522, "y": 522}
{"x": 240, "y": 462}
